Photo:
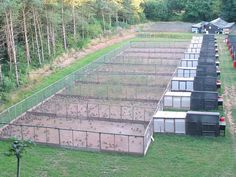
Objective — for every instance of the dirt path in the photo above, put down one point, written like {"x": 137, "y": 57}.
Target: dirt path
{"x": 72, "y": 56}
{"x": 229, "y": 104}
{"x": 229, "y": 97}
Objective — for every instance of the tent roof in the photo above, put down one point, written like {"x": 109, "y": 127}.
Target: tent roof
{"x": 221, "y": 23}
{"x": 199, "y": 25}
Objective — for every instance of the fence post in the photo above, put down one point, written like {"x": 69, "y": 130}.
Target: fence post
{"x": 107, "y": 92}
{"x": 144, "y": 111}
{"x": 132, "y": 113}
{"x": 72, "y": 131}
{"x": 128, "y": 143}
{"x": 34, "y": 133}
{"x": 46, "y": 135}
{"x": 98, "y": 110}
{"x": 143, "y": 144}
{"x": 21, "y": 131}
{"x": 77, "y": 111}
{"x": 100, "y": 141}
{"x": 86, "y": 135}
{"x": 59, "y": 136}
{"x": 114, "y": 142}
{"x": 109, "y": 111}
{"x": 87, "y": 109}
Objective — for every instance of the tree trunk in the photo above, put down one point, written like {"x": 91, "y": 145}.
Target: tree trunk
{"x": 36, "y": 37}
{"x": 83, "y": 29}
{"x": 33, "y": 45}
{"x": 40, "y": 36}
{"x": 26, "y": 38}
{"x": 53, "y": 39}
{"x": 48, "y": 35}
{"x": 110, "y": 20}
{"x": 74, "y": 21}
{"x": 1, "y": 77}
{"x": 14, "y": 50}
{"x": 63, "y": 25}
{"x": 8, "y": 41}
{"x": 103, "y": 20}
{"x": 18, "y": 167}
{"x": 117, "y": 18}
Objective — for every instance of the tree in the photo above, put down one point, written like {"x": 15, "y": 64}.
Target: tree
{"x": 34, "y": 32}
{"x": 10, "y": 36}
{"x": 196, "y": 10}
{"x": 155, "y": 10}
{"x": 228, "y": 10}
{"x": 175, "y": 6}
{"x": 16, "y": 149}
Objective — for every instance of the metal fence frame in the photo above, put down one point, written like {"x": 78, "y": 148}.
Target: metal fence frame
{"x": 27, "y": 104}
{"x": 21, "y": 107}
{"x": 144, "y": 145}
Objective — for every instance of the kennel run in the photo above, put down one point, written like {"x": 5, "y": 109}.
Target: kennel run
{"x": 108, "y": 106}
{"x": 193, "y": 92}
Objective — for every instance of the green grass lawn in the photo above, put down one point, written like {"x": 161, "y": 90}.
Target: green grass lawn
{"x": 168, "y": 156}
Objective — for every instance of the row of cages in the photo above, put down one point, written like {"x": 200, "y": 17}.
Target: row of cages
{"x": 91, "y": 98}
{"x": 18, "y": 109}
{"x": 194, "y": 62}
{"x": 183, "y": 79}
{"x": 193, "y": 87}
{"x": 26, "y": 104}
{"x": 199, "y": 83}
{"x": 112, "y": 92}
{"x": 195, "y": 100}
{"x": 81, "y": 139}
{"x": 73, "y": 107}
{"x": 188, "y": 123}
{"x": 124, "y": 79}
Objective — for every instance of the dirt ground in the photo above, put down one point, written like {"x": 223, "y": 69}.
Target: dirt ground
{"x": 95, "y": 45}
{"x": 230, "y": 103}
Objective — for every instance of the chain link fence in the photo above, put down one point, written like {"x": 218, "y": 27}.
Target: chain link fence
{"x": 18, "y": 109}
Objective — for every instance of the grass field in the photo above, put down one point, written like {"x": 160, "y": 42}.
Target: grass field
{"x": 168, "y": 156}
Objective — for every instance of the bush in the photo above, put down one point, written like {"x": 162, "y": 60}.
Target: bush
{"x": 82, "y": 43}
{"x": 8, "y": 84}
{"x": 94, "y": 30}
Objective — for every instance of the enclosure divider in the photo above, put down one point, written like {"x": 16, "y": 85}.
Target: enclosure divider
{"x": 21, "y": 132}
{"x": 128, "y": 144}
{"x": 46, "y": 134}
{"x": 86, "y": 135}
{"x": 34, "y": 133}
{"x": 72, "y": 131}
{"x": 114, "y": 142}
{"x": 100, "y": 141}
{"x": 59, "y": 136}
